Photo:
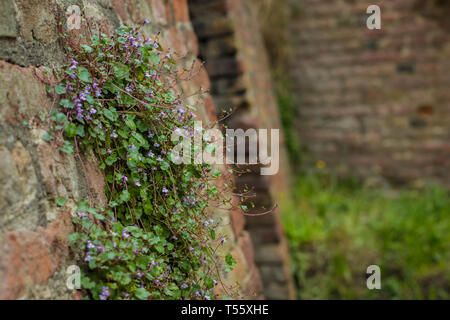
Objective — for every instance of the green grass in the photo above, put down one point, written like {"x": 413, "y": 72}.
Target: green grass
{"x": 336, "y": 230}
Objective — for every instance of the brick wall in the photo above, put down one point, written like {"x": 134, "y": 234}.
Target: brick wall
{"x": 374, "y": 103}
{"x": 34, "y": 251}
{"x": 233, "y": 51}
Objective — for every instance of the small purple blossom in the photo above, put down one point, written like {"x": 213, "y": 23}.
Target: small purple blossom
{"x": 88, "y": 257}
{"x": 105, "y": 293}
{"x": 82, "y": 214}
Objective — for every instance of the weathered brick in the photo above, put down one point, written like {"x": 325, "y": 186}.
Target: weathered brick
{"x": 8, "y": 24}
{"x": 29, "y": 257}
{"x": 181, "y": 11}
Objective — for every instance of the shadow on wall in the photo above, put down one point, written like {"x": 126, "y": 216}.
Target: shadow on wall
{"x": 232, "y": 48}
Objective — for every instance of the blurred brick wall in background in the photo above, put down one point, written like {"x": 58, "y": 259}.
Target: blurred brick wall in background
{"x": 34, "y": 250}
{"x": 374, "y": 103}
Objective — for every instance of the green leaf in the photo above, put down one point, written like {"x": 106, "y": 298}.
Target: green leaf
{"x": 165, "y": 166}
{"x": 230, "y": 262}
{"x": 154, "y": 58}
{"x": 130, "y": 123}
{"x": 60, "y": 89}
{"x": 66, "y": 103}
{"x": 121, "y": 70}
{"x": 47, "y": 137}
{"x": 125, "y": 196}
{"x": 82, "y": 205}
{"x": 70, "y": 129}
{"x": 87, "y": 283}
{"x": 209, "y": 282}
{"x": 111, "y": 159}
{"x": 217, "y": 173}
{"x": 87, "y": 48}
{"x": 67, "y": 148}
{"x": 110, "y": 114}
{"x": 61, "y": 201}
{"x": 84, "y": 75}
{"x": 61, "y": 117}
{"x": 141, "y": 294}
{"x": 80, "y": 130}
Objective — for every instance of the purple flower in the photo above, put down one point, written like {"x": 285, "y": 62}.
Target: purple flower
{"x": 82, "y": 214}
{"x": 124, "y": 179}
{"x": 137, "y": 184}
{"x": 88, "y": 257}
{"x": 105, "y": 293}
{"x": 164, "y": 189}
{"x": 139, "y": 273}
{"x": 74, "y": 64}
{"x": 223, "y": 240}
{"x": 113, "y": 134}
{"x": 125, "y": 233}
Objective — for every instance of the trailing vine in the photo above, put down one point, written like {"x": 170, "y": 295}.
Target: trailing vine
{"x": 155, "y": 239}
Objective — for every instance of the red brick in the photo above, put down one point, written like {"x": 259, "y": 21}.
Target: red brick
{"x": 29, "y": 257}
{"x": 181, "y": 11}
